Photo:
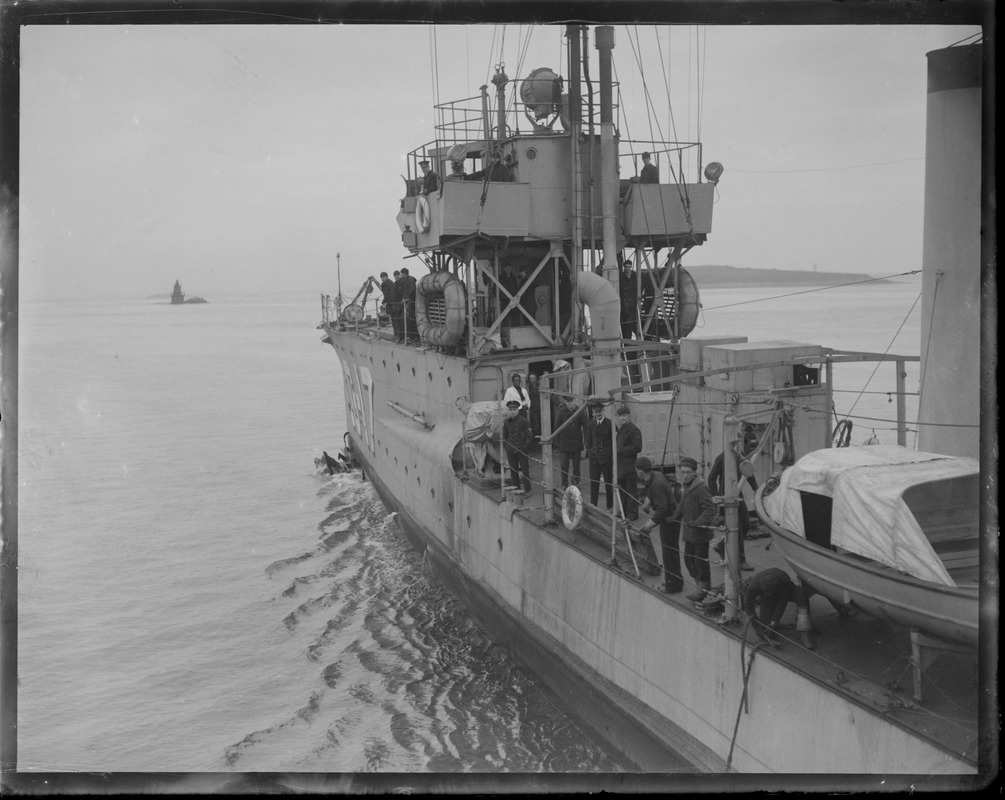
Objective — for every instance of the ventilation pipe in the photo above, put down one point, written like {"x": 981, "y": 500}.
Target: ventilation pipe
{"x": 597, "y": 294}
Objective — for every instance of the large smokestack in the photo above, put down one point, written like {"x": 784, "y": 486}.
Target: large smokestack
{"x": 949, "y": 405}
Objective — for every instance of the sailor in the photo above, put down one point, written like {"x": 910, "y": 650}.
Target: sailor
{"x": 386, "y": 289}
{"x": 569, "y": 441}
{"x": 410, "y": 329}
{"x": 716, "y": 485}
{"x": 597, "y": 442}
{"x": 660, "y": 503}
{"x": 629, "y": 445}
{"x": 770, "y": 592}
{"x": 510, "y": 282}
{"x": 697, "y": 514}
{"x": 516, "y": 442}
{"x": 495, "y": 171}
{"x": 650, "y": 172}
{"x": 396, "y": 305}
{"x": 534, "y": 393}
{"x": 456, "y": 171}
{"x": 518, "y": 393}
{"x": 628, "y": 289}
{"x": 430, "y": 182}
{"x": 509, "y": 168}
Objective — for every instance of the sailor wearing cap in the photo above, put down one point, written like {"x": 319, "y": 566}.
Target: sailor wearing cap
{"x": 661, "y": 504}
{"x": 517, "y": 439}
{"x": 599, "y": 451}
{"x": 650, "y": 172}
{"x": 430, "y": 182}
{"x": 629, "y": 445}
{"x": 697, "y": 514}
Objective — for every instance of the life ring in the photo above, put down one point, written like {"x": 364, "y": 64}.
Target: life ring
{"x": 422, "y": 216}
{"x": 689, "y": 304}
{"x": 441, "y": 286}
{"x": 572, "y": 507}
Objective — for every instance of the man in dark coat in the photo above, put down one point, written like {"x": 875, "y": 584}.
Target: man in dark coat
{"x": 661, "y": 505}
{"x": 628, "y": 288}
{"x": 516, "y": 442}
{"x": 629, "y": 445}
{"x": 534, "y": 395}
{"x": 430, "y": 181}
{"x": 597, "y": 436}
{"x": 411, "y": 331}
{"x": 510, "y": 281}
{"x": 569, "y": 441}
{"x": 697, "y": 514}
{"x": 395, "y": 307}
{"x": 386, "y": 288}
{"x": 495, "y": 171}
{"x": 650, "y": 172}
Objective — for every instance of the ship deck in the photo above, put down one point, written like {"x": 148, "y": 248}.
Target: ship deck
{"x": 866, "y": 660}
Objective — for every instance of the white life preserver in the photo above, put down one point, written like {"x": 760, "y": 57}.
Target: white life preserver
{"x": 572, "y": 507}
{"x": 435, "y": 286}
{"x": 422, "y": 214}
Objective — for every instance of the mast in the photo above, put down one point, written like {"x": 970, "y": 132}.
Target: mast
{"x": 607, "y": 355}
{"x": 573, "y": 33}
{"x": 608, "y": 159}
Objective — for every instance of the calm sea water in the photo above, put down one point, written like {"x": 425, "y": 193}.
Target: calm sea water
{"x": 195, "y": 597}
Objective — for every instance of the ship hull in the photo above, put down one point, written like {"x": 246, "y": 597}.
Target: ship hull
{"x": 658, "y": 682}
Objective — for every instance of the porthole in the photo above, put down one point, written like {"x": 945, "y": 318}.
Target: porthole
{"x": 531, "y": 153}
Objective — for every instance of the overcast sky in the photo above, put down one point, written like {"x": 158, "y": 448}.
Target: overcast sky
{"x": 243, "y": 158}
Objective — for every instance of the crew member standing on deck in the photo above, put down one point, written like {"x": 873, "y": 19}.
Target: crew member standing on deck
{"x": 396, "y": 307}
{"x": 518, "y": 393}
{"x": 411, "y": 329}
{"x": 569, "y": 441}
{"x": 661, "y": 505}
{"x": 516, "y": 443}
{"x": 386, "y": 288}
{"x": 600, "y": 454}
{"x": 697, "y": 514}
{"x": 534, "y": 393}
{"x": 628, "y": 287}
{"x": 430, "y": 181}
{"x": 629, "y": 444}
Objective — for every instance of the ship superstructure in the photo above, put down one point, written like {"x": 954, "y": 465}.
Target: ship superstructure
{"x": 523, "y": 235}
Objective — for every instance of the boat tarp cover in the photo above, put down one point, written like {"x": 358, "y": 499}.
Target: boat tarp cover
{"x": 869, "y": 516}
{"x": 483, "y": 429}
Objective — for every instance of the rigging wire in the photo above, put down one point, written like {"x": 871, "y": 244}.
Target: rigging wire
{"x": 876, "y": 368}
{"x": 434, "y": 71}
{"x": 808, "y": 291}
{"x": 702, "y": 54}
{"x": 824, "y": 169}
{"x": 928, "y": 341}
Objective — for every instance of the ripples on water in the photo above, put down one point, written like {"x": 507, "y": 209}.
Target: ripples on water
{"x": 408, "y": 681}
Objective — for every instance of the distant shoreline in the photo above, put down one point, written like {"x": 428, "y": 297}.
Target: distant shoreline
{"x": 710, "y": 275}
